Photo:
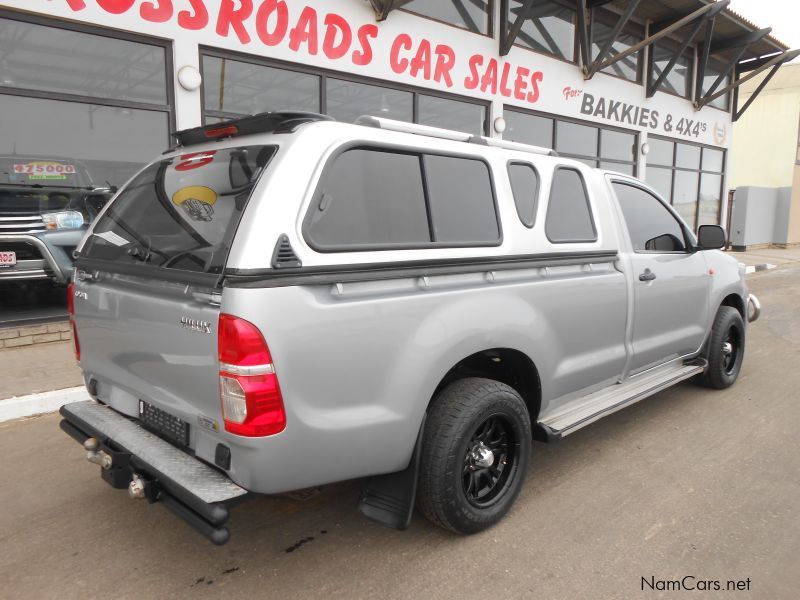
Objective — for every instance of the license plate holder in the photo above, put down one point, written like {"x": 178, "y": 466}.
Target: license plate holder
{"x": 7, "y": 259}
{"x": 170, "y": 427}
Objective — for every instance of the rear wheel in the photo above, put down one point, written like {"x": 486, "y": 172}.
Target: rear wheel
{"x": 474, "y": 454}
{"x": 725, "y": 349}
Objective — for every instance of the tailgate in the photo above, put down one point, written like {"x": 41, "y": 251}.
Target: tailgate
{"x": 150, "y": 340}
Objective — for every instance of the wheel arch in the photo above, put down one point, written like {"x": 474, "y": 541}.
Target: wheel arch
{"x": 506, "y": 365}
{"x": 734, "y": 300}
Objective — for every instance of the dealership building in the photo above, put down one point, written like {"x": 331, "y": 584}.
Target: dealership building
{"x": 644, "y": 87}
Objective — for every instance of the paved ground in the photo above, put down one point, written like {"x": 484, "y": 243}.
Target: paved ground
{"x": 689, "y": 482}
{"x": 38, "y": 368}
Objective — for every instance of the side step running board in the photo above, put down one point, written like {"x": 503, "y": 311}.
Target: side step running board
{"x": 584, "y": 411}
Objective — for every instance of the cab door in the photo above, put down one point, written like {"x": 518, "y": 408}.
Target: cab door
{"x": 670, "y": 280}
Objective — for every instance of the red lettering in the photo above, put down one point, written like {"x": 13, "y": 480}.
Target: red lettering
{"x": 265, "y": 12}
{"x": 76, "y": 4}
{"x": 521, "y": 83}
{"x": 399, "y": 65}
{"x": 195, "y": 160}
{"x": 229, "y": 16}
{"x": 475, "y": 61}
{"x": 334, "y": 26}
{"x": 536, "y": 79}
{"x": 445, "y": 61}
{"x": 364, "y": 56}
{"x": 157, "y": 11}
{"x": 504, "y": 89}
{"x": 116, "y": 7}
{"x": 489, "y": 79}
{"x": 422, "y": 60}
{"x": 196, "y": 20}
{"x": 305, "y": 31}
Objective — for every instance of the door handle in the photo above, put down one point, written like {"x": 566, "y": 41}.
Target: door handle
{"x": 648, "y": 275}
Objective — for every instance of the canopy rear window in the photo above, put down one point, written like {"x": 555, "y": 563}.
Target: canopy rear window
{"x": 180, "y": 213}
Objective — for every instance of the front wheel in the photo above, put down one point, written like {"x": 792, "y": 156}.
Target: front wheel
{"x": 474, "y": 454}
{"x": 725, "y": 349}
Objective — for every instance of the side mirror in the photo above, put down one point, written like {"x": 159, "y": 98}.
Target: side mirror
{"x": 710, "y": 237}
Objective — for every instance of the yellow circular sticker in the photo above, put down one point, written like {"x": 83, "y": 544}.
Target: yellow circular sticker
{"x": 197, "y": 200}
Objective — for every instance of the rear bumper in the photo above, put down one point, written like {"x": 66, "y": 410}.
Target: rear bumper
{"x": 193, "y": 490}
{"x": 753, "y": 308}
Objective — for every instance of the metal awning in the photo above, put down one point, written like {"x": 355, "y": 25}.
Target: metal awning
{"x": 732, "y": 42}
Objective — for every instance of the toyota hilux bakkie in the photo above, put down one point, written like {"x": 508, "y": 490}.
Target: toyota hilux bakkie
{"x": 283, "y": 301}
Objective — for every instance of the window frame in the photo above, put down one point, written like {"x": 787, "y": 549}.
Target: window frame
{"x": 323, "y": 74}
{"x": 575, "y": 43}
{"x": 688, "y": 237}
{"x": 114, "y": 34}
{"x": 700, "y": 171}
{"x": 419, "y": 151}
{"x": 672, "y": 45}
{"x": 556, "y": 169}
{"x": 536, "y": 193}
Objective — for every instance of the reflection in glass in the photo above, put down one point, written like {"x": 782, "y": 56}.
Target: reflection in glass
{"x": 348, "y": 100}
{"x": 685, "y": 195}
{"x": 36, "y": 57}
{"x": 680, "y": 77}
{"x": 451, "y": 114}
{"x": 550, "y": 28}
{"x": 661, "y": 152}
{"x": 472, "y": 15}
{"x": 628, "y": 67}
{"x": 528, "y": 129}
{"x": 113, "y": 143}
{"x": 244, "y": 88}
{"x": 711, "y": 75}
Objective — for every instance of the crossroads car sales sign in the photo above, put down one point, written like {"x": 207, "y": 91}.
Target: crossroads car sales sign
{"x": 342, "y": 35}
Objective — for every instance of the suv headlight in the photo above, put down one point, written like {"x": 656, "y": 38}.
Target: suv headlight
{"x": 67, "y": 219}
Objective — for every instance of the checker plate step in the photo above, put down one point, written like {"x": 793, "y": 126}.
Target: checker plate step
{"x": 196, "y": 477}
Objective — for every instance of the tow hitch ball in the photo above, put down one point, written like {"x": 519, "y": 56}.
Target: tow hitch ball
{"x": 97, "y": 456}
{"x": 136, "y": 488}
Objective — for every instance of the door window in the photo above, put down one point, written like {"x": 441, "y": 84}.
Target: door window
{"x": 650, "y": 224}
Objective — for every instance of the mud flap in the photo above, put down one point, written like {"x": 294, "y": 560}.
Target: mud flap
{"x": 389, "y": 499}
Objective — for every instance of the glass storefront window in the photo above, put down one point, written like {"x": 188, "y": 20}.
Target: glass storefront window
{"x": 451, "y": 114}
{"x": 710, "y": 188}
{"x": 550, "y": 28}
{"x": 627, "y": 68}
{"x": 82, "y": 113}
{"x": 617, "y": 145}
{"x": 711, "y": 75}
{"x": 679, "y": 79}
{"x": 618, "y": 167}
{"x": 238, "y": 87}
{"x": 661, "y": 181}
{"x": 698, "y": 177}
{"x": 51, "y": 59}
{"x": 684, "y": 197}
{"x": 348, "y": 100}
{"x": 528, "y": 129}
{"x": 572, "y": 138}
{"x": 472, "y": 15}
{"x": 111, "y": 143}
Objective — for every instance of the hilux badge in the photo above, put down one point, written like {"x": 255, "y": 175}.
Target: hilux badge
{"x": 195, "y": 325}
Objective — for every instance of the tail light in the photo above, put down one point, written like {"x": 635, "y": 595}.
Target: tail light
{"x": 71, "y": 310}
{"x": 252, "y": 404}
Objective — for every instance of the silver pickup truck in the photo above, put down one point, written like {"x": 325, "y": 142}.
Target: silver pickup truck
{"x": 283, "y": 301}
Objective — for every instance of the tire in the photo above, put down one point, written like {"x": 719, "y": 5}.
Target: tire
{"x": 468, "y": 420}
{"x": 725, "y": 349}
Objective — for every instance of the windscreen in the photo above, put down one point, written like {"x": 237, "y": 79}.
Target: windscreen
{"x": 31, "y": 186}
{"x": 180, "y": 213}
